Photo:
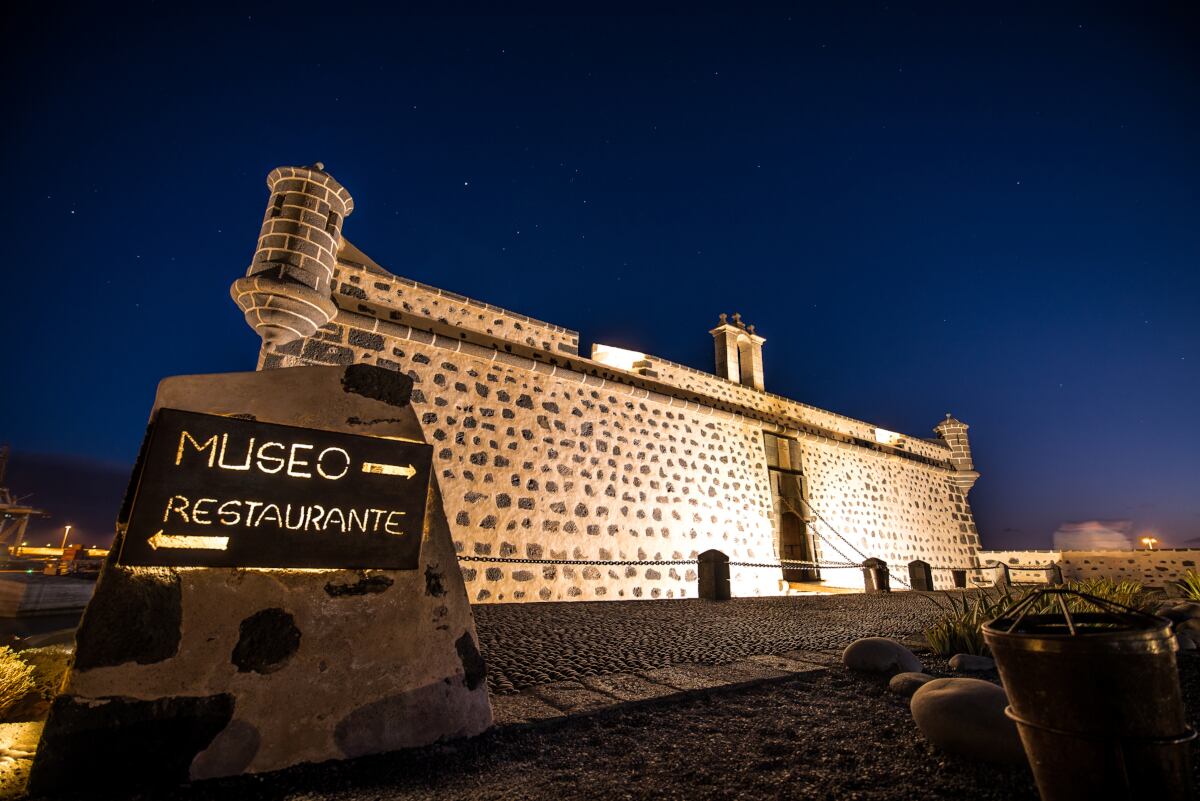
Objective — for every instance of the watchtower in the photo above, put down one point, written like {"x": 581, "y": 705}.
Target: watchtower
{"x": 285, "y": 294}
{"x": 954, "y": 433}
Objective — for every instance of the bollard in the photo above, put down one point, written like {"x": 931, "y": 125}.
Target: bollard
{"x": 920, "y": 575}
{"x": 875, "y": 575}
{"x": 713, "y": 570}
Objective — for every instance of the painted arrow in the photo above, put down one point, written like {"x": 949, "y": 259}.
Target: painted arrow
{"x": 408, "y": 471}
{"x": 160, "y": 540}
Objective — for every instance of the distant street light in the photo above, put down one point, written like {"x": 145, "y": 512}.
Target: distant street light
{"x": 1149, "y": 542}
{"x": 67, "y": 533}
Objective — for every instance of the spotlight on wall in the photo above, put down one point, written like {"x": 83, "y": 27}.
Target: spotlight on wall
{"x": 616, "y": 357}
{"x": 884, "y": 437}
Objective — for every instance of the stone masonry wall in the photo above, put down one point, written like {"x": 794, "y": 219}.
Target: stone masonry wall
{"x": 539, "y": 464}
{"x": 889, "y": 508}
{"x": 543, "y": 455}
{"x": 1156, "y": 568}
{"x": 404, "y": 301}
{"x": 717, "y": 388}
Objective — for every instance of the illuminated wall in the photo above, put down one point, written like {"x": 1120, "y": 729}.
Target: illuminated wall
{"x": 545, "y": 455}
{"x": 889, "y": 508}
{"x": 1156, "y": 568}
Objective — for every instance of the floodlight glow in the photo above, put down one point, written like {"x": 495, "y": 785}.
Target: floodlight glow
{"x": 884, "y": 437}
{"x": 616, "y": 357}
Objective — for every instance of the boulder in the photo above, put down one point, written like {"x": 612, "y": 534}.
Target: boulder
{"x": 908, "y": 683}
{"x": 966, "y": 717}
{"x": 1179, "y": 611}
{"x": 880, "y": 655}
{"x": 969, "y": 663}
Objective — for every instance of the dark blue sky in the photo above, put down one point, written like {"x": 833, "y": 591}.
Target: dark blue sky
{"x": 992, "y": 212}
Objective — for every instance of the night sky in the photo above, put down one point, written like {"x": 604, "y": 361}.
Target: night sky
{"x": 985, "y": 211}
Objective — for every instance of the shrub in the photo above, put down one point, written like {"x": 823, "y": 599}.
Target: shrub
{"x": 1189, "y": 584}
{"x": 16, "y": 679}
{"x": 49, "y": 665}
{"x": 960, "y": 629}
{"x": 1127, "y": 593}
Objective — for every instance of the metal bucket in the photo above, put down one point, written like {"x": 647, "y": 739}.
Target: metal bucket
{"x": 1096, "y": 698}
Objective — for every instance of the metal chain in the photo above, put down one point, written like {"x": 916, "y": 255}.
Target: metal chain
{"x": 899, "y": 579}
{"x": 782, "y": 563}
{"x": 590, "y": 562}
{"x": 786, "y": 563}
{"x": 993, "y": 567}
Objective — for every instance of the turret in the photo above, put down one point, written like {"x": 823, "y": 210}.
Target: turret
{"x": 286, "y": 291}
{"x": 738, "y": 351}
{"x": 954, "y": 434}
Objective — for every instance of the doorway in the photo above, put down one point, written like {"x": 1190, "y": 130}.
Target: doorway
{"x": 793, "y": 544}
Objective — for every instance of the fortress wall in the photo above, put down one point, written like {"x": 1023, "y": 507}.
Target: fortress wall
{"x": 886, "y": 507}
{"x": 544, "y": 463}
{"x": 544, "y": 455}
{"x": 1156, "y": 568}
{"x": 406, "y": 300}
{"x": 722, "y": 389}
{"x": 376, "y": 293}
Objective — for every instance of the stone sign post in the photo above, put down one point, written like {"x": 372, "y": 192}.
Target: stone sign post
{"x": 282, "y": 589}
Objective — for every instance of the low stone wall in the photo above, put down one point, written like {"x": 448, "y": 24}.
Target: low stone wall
{"x": 1156, "y": 568}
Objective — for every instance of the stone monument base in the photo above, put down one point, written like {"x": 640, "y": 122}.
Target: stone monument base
{"x": 188, "y": 673}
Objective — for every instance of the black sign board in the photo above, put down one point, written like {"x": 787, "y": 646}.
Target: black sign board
{"x": 226, "y": 492}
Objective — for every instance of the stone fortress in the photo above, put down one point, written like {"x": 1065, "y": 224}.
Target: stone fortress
{"x": 604, "y": 478}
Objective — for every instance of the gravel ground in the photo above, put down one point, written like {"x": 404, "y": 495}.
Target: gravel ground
{"x": 827, "y": 735}
{"x": 832, "y": 735}
{"x": 530, "y": 644}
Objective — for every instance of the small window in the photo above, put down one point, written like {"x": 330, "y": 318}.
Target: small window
{"x": 331, "y": 226}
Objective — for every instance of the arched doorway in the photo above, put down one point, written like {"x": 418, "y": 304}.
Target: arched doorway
{"x": 793, "y": 544}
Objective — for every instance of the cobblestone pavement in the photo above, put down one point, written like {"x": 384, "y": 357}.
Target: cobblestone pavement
{"x": 527, "y": 645}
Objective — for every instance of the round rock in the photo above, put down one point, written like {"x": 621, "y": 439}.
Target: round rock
{"x": 966, "y": 717}
{"x": 969, "y": 663}
{"x": 908, "y": 683}
{"x": 1179, "y": 611}
{"x": 880, "y": 655}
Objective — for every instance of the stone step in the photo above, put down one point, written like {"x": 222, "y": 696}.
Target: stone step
{"x": 562, "y": 699}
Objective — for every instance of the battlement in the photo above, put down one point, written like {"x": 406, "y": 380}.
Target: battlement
{"x": 362, "y": 286}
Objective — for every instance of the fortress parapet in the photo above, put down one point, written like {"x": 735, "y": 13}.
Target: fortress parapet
{"x": 285, "y": 294}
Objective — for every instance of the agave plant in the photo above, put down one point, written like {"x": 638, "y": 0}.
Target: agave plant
{"x": 1189, "y": 584}
{"x": 960, "y": 629}
{"x": 1126, "y": 593}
